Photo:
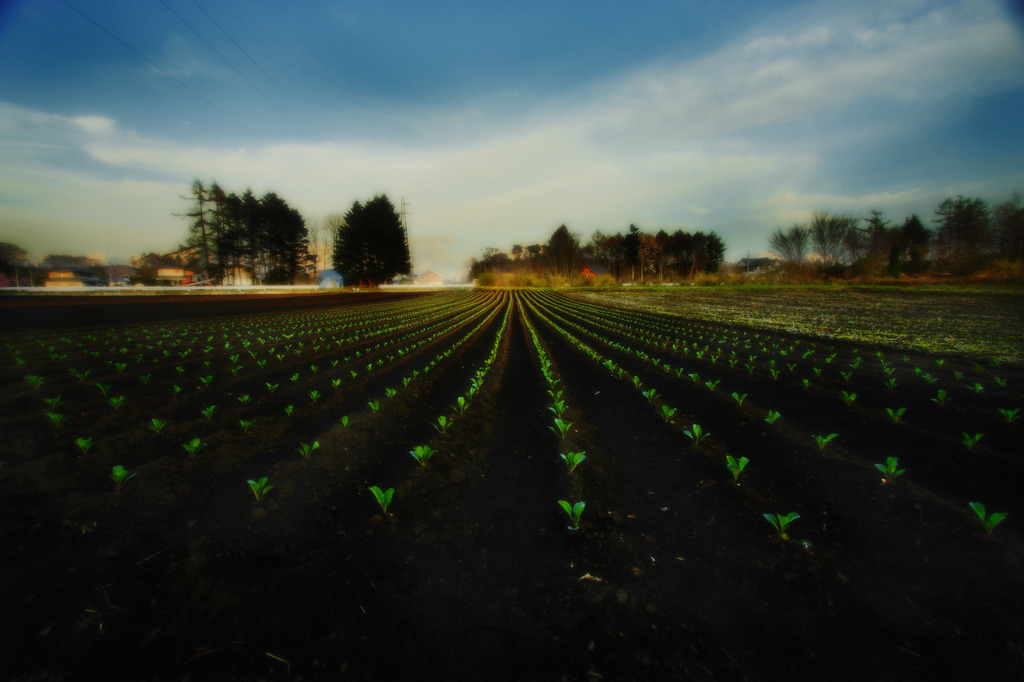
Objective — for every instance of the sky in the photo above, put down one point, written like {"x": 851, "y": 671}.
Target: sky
{"x": 497, "y": 122}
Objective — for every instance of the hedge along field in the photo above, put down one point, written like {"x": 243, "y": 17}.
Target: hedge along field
{"x": 503, "y": 484}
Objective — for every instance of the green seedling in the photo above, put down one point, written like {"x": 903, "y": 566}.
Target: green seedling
{"x": 103, "y": 388}
{"x": 1000, "y": 381}
{"x": 712, "y": 385}
{"x": 374, "y": 405}
{"x": 739, "y": 398}
{"x": 390, "y": 392}
{"x": 573, "y": 459}
{"x": 989, "y": 521}
{"x": 306, "y": 449}
{"x": 941, "y": 398}
{"x": 970, "y": 441}
{"x": 344, "y": 422}
{"x": 175, "y": 391}
{"x": 781, "y": 523}
{"x": 57, "y": 420}
{"x": 650, "y": 394}
{"x": 117, "y": 402}
{"x": 120, "y": 476}
{"x": 889, "y": 470}
{"x": 422, "y": 454}
{"x": 245, "y": 424}
{"x": 54, "y": 403}
{"x": 84, "y": 444}
{"x": 561, "y": 428}
{"x": 822, "y": 441}
{"x": 383, "y": 497}
{"x": 976, "y": 388}
{"x": 806, "y": 383}
{"x": 193, "y": 446}
{"x": 771, "y": 417}
{"x": 558, "y": 408}
{"x": 574, "y": 511}
{"x": 289, "y": 410}
{"x": 736, "y": 466}
{"x": 694, "y": 377}
{"x": 696, "y": 434}
{"x": 443, "y": 424}
{"x": 314, "y": 396}
{"x": 895, "y": 415}
{"x": 207, "y": 380}
{"x": 1010, "y": 416}
{"x": 667, "y": 413}
{"x": 335, "y": 383}
{"x": 260, "y": 488}
{"x": 848, "y": 398}
{"x": 208, "y": 411}
{"x": 156, "y": 425}
{"x": 34, "y": 380}
{"x": 294, "y": 378}
{"x": 271, "y": 387}
{"x": 245, "y": 398}
{"x": 461, "y": 405}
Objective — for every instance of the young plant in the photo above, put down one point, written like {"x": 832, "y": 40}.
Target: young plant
{"x": 739, "y": 398}
{"x": 54, "y": 403}
{"x": 245, "y": 424}
{"x": 941, "y": 398}
{"x": 736, "y": 466}
{"x": 990, "y": 521}
{"x": 84, "y": 444}
{"x": 193, "y": 446}
{"x": 822, "y": 441}
{"x": 422, "y": 454}
{"x": 156, "y": 425}
{"x": 120, "y": 476}
{"x": 461, "y": 405}
{"x": 34, "y": 380}
{"x": 383, "y": 497}
{"x": 848, "y": 398}
{"x": 443, "y": 424}
{"x": 344, "y": 422}
{"x": 696, "y": 434}
{"x": 102, "y": 387}
{"x": 1010, "y": 415}
{"x": 57, "y": 420}
{"x": 245, "y": 398}
{"x": 259, "y": 488}
{"x": 650, "y": 394}
{"x": 574, "y": 511}
{"x": 667, "y": 413}
{"x": 289, "y": 410}
{"x": 117, "y": 402}
{"x": 314, "y": 396}
{"x": 306, "y": 449}
{"x": 558, "y": 408}
{"x": 561, "y": 428}
{"x": 970, "y": 441}
{"x": 208, "y": 411}
{"x": 573, "y": 459}
{"x": 889, "y": 470}
{"x": 771, "y": 417}
{"x": 271, "y": 387}
{"x": 895, "y": 415}
{"x": 781, "y": 523}
{"x": 374, "y": 405}
{"x": 712, "y": 385}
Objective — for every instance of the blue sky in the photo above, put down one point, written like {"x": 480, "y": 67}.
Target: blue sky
{"x": 497, "y": 122}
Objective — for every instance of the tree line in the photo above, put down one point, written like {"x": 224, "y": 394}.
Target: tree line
{"x": 966, "y": 237}
{"x": 634, "y": 255}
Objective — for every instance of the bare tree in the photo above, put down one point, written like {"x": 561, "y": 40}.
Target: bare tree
{"x": 792, "y": 245}
{"x": 831, "y": 237}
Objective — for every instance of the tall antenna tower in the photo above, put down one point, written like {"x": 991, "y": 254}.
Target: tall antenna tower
{"x": 403, "y": 212}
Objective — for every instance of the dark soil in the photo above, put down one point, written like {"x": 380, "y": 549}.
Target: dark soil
{"x": 474, "y": 574}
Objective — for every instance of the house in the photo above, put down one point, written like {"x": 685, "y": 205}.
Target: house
{"x": 593, "y": 270}
{"x": 430, "y": 279}
{"x": 758, "y": 266}
{"x": 73, "y": 277}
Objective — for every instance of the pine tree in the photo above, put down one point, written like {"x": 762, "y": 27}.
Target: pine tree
{"x": 371, "y": 246}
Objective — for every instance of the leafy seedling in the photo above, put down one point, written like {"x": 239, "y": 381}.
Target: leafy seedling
{"x": 667, "y": 413}
{"x": 443, "y": 424}
{"x": 193, "y": 446}
{"x": 84, "y": 444}
{"x": 771, "y": 417}
{"x": 307, "y": 449}
{"x": 383, "y": 497}
{"x": 739, "y": 398}
{"x": 574, "y": 511}
{"x": 895, "y": 415}
{"x": 970, "y": 441}
{"x": 781, "y": 523}
{"x": 120, "y": 476}
{"x": 941, "y": 398}
{"x": 989, "y": 521}
{"x": 156, "y": 425}
{"x": 260, "y": 488}
{"x": 822, "y": 441}
{"x": 57, "y": 420}
{"x": 561, "y": 428}
{"x": 696, "y": 434}
{"x": 422, "y": 454}
{"x": 889, "y": 470}
{"x": 1010, "y": 415}
{"x": 736, "y": 466}
{"x": 573, "y": 459}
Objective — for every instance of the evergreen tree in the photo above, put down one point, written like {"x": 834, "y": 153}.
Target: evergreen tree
{"x": 371, "y": 245}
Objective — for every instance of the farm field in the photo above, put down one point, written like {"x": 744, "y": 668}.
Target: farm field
{"x": 466, "y": 413}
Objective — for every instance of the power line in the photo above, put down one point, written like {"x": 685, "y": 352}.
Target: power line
{"x": 228, "y": 62}
{"x": 155, "y": 65}
{"x": 256, "y": 64}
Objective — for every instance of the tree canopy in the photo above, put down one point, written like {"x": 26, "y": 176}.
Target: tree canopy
{"x": 370, "y": 244}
